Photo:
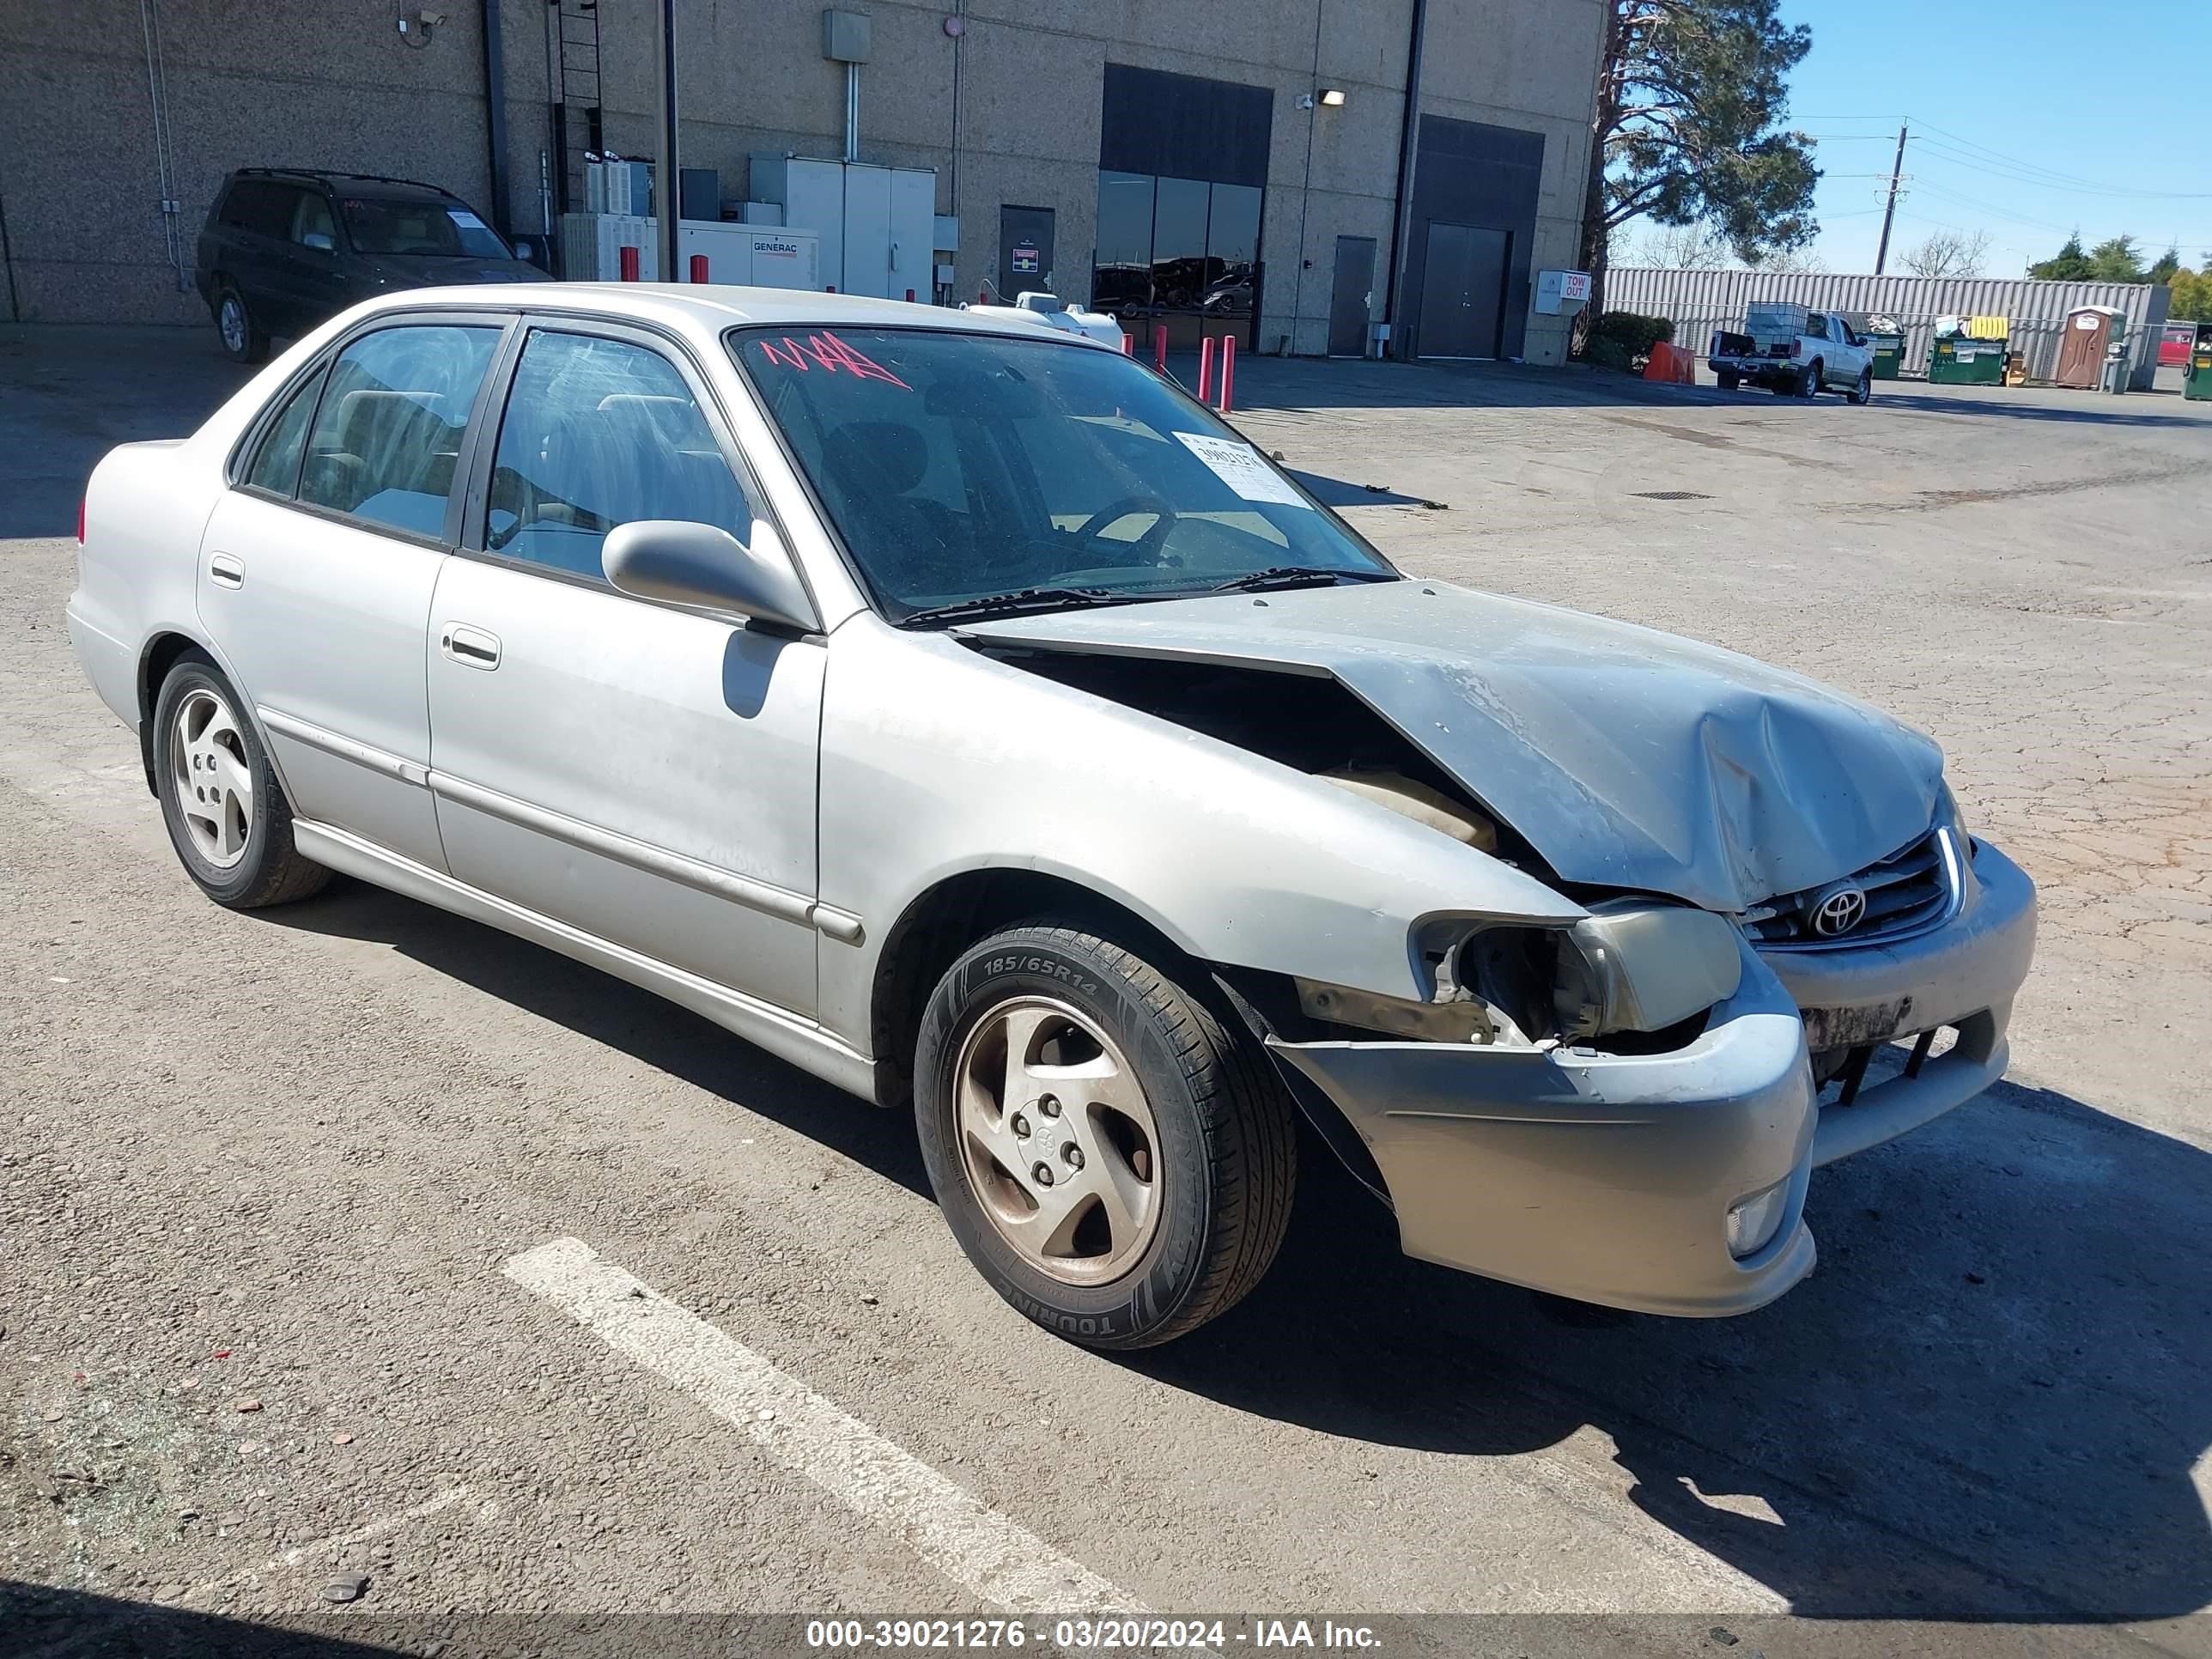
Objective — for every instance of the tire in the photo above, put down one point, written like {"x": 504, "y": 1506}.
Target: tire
{"x": 1204, "y": 1156}
{"x": 1809, "y": 383}
{"x": 238, "y": 849}
{"x": 243, "y": 341}
{"x": 1863, "y": 394}
{"x": 1730, "y": 380}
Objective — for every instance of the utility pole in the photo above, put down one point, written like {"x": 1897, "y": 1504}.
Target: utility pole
{"x": 670, "y": 192}
{"x": 1889, "y": 213}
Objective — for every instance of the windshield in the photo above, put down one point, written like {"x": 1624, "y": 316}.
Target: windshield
{"x": 441, "y": 229}
{"x": 962, "y": 466}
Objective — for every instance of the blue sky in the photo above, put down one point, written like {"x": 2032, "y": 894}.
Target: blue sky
{"x": 2117, "y": 97}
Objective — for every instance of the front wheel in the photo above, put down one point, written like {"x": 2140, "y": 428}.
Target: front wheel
{"x": 1863, "y": 394}
{"x": 1116, "y": 1161}
{"x": 225, "y": 813}
{"x": 1730, "y": 380}
{"x": 243, "y": 342}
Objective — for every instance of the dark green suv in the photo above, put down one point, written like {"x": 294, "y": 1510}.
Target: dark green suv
{"x": 285, "y": 248}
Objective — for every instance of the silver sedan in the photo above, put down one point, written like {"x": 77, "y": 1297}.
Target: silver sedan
{"x": 954, "y": 707}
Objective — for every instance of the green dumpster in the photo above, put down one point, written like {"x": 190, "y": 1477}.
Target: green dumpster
{"x": 2196, "y": 376}
{"x": 1958, "y": 360}
{"x": 1888, "y": 354}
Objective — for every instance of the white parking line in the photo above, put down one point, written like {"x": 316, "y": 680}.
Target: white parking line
{"x": 945, "y": 1524}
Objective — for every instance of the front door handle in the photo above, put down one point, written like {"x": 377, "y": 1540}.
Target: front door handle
{"x": 226, "y": 570}
{"x": 472, "y": 647}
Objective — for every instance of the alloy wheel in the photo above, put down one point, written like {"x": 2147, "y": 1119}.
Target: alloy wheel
{"x": 212, "y": 778}
{"x": 230, "y": 317}
{"x": 1057, "y": 1140}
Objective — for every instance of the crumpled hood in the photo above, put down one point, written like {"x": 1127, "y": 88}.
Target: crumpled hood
{"x": 1627, "y": 757}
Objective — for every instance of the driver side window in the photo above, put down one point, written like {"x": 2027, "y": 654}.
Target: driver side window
{"x": 598, "y": 433}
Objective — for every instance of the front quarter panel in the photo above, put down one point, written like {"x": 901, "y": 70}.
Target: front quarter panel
{"x": 937, "y": 760}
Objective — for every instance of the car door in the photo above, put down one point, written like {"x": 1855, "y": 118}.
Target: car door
{"x": 641, "y": 771}
{"x": 317, "y": 569}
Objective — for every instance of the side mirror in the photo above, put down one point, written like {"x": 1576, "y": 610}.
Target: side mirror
{"x": 703, "y": 565}
{"x": 526, "y": 251}
{"x": 318, "y": 239}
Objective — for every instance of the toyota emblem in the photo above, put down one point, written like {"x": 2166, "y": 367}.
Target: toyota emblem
{"x": 1838, "y": 910}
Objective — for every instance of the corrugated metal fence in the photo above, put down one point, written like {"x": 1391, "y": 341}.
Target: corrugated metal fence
{"x": 1699, "y": 301}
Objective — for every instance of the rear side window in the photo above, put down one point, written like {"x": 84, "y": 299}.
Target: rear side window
{"x": 260, "y": 206}
{"x": 599, "y": 432}
{"x": 388, "y": 434}
{"x": 276, "y": 464}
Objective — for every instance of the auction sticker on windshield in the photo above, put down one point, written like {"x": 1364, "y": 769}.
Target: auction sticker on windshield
{"x": 1239, "y": 466}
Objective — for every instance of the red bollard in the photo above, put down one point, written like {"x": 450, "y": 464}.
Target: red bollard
{"x": 1128, "y": 346}
{"x": 830, "y": 287}
{"x": 629, "y": 264}
{"x": 983, "y": 294}
{"x": 1160, "y": 347}
{"x": 698, "y": 267}
{"x": 1204, "y": 368}
{"x": 909, "y": 297}
{"x": 1228, "y": 370}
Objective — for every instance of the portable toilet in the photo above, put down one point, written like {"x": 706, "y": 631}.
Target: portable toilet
{"x": 2085, "y": 343}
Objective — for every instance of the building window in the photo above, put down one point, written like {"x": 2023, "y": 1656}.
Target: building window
{"x": 1180, "y": 253}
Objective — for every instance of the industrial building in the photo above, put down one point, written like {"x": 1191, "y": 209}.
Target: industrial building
{"x": 1244, "y": 166}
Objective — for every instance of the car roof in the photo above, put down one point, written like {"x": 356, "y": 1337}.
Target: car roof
{"x": 354, "y": 184}
{"x": 710, "y": 307}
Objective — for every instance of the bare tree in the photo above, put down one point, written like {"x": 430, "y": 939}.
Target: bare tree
{"x": 1949, "y": 253}
{"x": 1683, "y": 247}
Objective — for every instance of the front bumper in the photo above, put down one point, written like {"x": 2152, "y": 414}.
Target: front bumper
{"x": 1608, "y": 1178}
{"x": 1604, "y": 1177}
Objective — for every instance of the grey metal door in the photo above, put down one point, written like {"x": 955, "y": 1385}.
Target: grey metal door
{"x": 1350, "y": 296}
{"x": 1025, "y": 250}
{"x": 1464, "y": 291}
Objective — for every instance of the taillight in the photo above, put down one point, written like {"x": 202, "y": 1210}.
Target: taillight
{"x": 1796, "y": 349}
{"x": 79, "y": 521}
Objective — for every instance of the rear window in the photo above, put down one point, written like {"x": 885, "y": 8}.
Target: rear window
{"x": 261, "y": 206}
{"x": 440, "y": 229}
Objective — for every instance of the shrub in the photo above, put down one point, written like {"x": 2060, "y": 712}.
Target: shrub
{"x": 1632, "y": 334}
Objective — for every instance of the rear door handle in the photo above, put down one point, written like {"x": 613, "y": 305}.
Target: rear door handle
{"x": 226, "y": 570}
{"x": 472, "y": 647}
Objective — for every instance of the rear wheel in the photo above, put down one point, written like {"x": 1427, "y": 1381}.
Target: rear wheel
{"x": 1808, "y": 383}
{"x": 226, "y": 814}
{"x": 1730, "y": 380}
{"x": 243, "y": 342}
{"x": 1116, "y": 1161}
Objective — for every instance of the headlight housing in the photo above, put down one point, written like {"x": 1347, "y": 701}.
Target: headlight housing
{"x": 1643, "y": 968}
{"x": 1630, "y": 967}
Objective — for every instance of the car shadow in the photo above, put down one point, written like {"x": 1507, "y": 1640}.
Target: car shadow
{"x": 610, "y": 1010}
{"x": 1984, "y": 1406}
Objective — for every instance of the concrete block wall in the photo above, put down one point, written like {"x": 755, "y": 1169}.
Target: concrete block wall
{"x": 334, "y": 86}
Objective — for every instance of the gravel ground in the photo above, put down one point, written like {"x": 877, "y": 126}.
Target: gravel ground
{"x": 261, "y": 1173}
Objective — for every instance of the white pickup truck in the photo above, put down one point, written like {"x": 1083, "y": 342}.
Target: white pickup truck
{"x": 1794, "y": 353}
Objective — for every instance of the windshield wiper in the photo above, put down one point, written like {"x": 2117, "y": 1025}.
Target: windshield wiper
{"x": 1294, "y": 575}
{"x": 1016, "y": 604}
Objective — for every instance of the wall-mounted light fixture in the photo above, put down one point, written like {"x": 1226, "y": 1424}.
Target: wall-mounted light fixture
{"x": 1332, "y": 97}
